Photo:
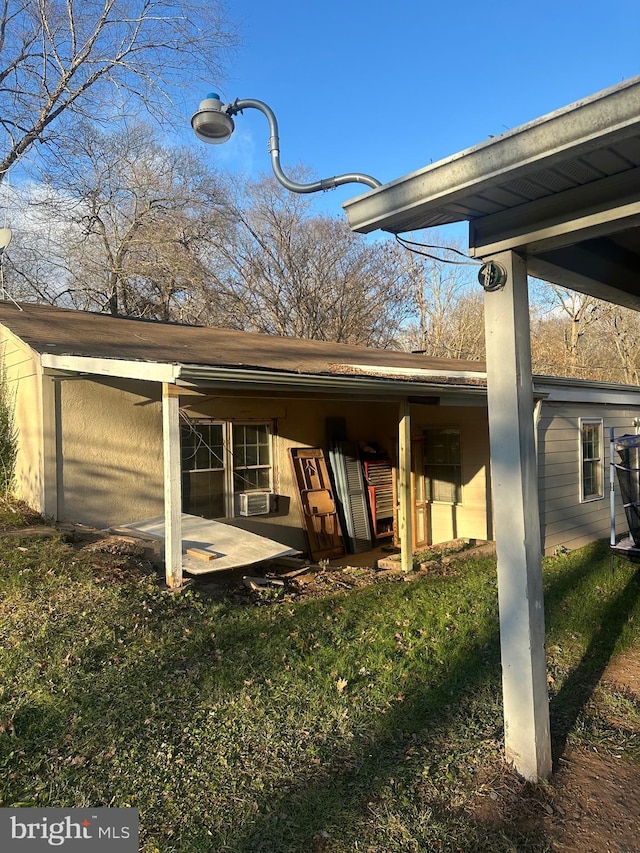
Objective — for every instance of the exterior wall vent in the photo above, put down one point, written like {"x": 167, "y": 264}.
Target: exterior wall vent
{"x": 255, "y": 503}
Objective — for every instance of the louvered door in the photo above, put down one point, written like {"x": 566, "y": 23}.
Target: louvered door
{"x": 379, "y": 477}
{"x": 351, "y": 492}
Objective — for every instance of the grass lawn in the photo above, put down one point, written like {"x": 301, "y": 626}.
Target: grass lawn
{"x": 364, "y": 721}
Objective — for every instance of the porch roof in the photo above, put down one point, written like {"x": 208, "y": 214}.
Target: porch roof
{"x": 563, "y": 190}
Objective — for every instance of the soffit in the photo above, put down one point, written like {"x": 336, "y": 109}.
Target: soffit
{"x": 563, "y": 190}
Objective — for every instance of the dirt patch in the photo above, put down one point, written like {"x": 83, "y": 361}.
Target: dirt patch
{"x": 597, "y": 797}
{"x": 625, "y": 672}
{"x": 116, "y": 559}
{"x": 592, "y": 803}
{"x": 595, "y": 805}
{"x": 16, "y": 514}
{"x": 113, "y": 559}
{"x": 321, "y": 580}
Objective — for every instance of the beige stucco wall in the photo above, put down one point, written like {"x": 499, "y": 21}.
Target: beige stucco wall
{"x": 103, "y": 452}
{"x": 110, "y": 466}
{"x": 302, "y": 423}
{"x": 99, "y": 442}
{"x": 25, "y": 390}
{"x": 471, "y": 518}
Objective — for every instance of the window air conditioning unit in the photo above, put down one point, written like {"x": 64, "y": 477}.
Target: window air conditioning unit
{"x": 255, "y": 503}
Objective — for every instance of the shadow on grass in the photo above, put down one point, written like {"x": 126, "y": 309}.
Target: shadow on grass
{"x": 345, "y": 793}
{"x": 349, "y": 789}
{"x": 581, "y": 682}
{"x": 352, "y": 782}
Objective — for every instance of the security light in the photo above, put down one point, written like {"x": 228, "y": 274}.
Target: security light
{"x": 213, "y": 123}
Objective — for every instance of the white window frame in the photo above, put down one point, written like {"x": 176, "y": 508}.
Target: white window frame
{"x": 233, "y": 469}
{"x": 597, "y": 460}
{"x": 230, "y": 496}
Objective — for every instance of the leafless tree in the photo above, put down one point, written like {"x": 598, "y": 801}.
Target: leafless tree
{"x": 578, "y": 335}
{"x": 281, "y": 270}
{"x": 466, "y": 325}
{"x": 64, "y": 59}
{"x": 122, "y": 224}
{"x": 547, "y": 344}
{"x": 581, "y": 312}
{"x": 621, "y": 326}
{"x": 446, "y": 307}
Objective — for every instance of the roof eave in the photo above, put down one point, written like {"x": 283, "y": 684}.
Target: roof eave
{"x": 194, "y": 376}
{"x": 429, "y": 196}
{"x": 118, "y": 368}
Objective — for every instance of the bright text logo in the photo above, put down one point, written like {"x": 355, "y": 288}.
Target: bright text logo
{"x": 31, "y": 829}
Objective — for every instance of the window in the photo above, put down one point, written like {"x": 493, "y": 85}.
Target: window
{"x": 203, "y": 470}
{"x": 251, "y": 457}
{"x": 591, "y": 460}
{"x": 442, "y": 466}
{"x": 220, "y": 460}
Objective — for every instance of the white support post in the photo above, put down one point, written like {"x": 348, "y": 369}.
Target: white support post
{"x": 172, "y": 485}
{"x": 404, "y": 487}
{"x": 51, "y": 459}
{"x": 514, "y": 479}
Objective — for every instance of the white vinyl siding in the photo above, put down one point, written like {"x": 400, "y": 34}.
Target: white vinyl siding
{"x": 568, "y": 521}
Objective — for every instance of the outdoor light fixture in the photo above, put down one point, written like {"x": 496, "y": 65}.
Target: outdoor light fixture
{"x": 213, "y": 123}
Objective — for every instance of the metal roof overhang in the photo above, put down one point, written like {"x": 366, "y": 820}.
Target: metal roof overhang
{"x": 563, "y": 190}
{"x": 290, "y": 385}
{"x": 195, "y": 377}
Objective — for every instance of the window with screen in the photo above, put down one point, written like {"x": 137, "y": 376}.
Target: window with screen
{"x": 220, "y": 460}
{"x": 442, "y": 465}
{"x": 251, "y": 457}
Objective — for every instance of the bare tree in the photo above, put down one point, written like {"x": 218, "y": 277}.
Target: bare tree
{"x": 124, "y": 224}
{"x": 64, "y": 59}
{"x": 547, "y": 344}
{"x": 620, "y": 326}
{"x": 571, "y": 316}
{"x": 280, "y": 270}
{"x": 466, "y": 327}
{"x": 578, "y": 335}
{"x": 446, "y": 308}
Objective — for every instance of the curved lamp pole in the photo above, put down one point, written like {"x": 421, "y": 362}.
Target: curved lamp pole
{"x": 213, "y": 123}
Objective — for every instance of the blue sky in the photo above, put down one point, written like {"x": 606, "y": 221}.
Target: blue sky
{"x": 386, "y": 88}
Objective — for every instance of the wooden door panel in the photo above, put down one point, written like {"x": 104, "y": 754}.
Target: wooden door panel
{"x": 317, "y": 503}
